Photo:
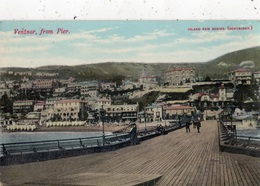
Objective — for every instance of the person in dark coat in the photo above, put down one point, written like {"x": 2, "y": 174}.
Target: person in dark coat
{"x": 187, "y": 126}
{"x": 198, "y": 124}
{"x": 133, "y": 134}
{"x": 161, "y": 130}
{"x": 193, "y": 124}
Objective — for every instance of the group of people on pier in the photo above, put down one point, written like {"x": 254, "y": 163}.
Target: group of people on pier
{"x": 196, "y": 124}
{"x": 160, "y": 129}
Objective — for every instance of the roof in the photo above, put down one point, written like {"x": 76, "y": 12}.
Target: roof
{"x": 210, "y": 95}
{"x": 154, "y": 106}
{"x": 23, "y": 101}
{"x": 103, "y": 99}
{"x": 178, "y": 107}
{"x": 39, "y": 104}
{"x": 242, "y": 70}
{"x": 69, "y": 101}
{"x": 221, "y": 86}
{"x": 214, "y": 95}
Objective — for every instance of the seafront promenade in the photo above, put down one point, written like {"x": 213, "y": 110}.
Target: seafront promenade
{"x": 178, "y": 158}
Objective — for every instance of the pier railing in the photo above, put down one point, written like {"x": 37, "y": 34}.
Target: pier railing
{"x": 24, "y": 152}
{"x": 63, "y": 144}
{"x": 229, "y": 141}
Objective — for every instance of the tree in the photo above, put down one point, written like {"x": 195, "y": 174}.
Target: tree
{"x": 207, "y": 79}
{"x": 243, "y": 93}
{"x": 6, "y": 104}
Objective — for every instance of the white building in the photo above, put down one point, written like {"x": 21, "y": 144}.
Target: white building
{"x": 4, "y": 91}
{"x": 69, "y": 110}
{"x": 39, "y": 106}
{"x": 103, "y": 102}
{"x": 179, "y": 76}
{"x": 89, "y": 89}
{"x": 151, "y": 113}
{"x": 3, "y": 84}
{"x": 23, "y": 106}
{"x": 59, "y": 91}
{"x": 108, "y": 86}
{"x": 148, "y": 81}
{"x": 179, "y": 110}
{"x": 241, "y": 76}
{"x": 125, "y": 112}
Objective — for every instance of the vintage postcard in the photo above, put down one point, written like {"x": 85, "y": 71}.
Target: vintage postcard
{"x": 130, "y": 102}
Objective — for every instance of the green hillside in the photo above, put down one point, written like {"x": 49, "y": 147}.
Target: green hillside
{"x": 223, "y": 64}
{"x": 114, "y": 71}
{"x": 217, "y": 68}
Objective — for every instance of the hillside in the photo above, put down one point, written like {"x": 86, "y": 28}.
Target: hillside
{"x": 230, "y": 61}
{"x": 217, "y": 68}
{"x": 114, "y": 71}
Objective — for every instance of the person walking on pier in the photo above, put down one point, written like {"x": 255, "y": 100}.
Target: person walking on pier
{"x": 133, "y": 134}
{"x": 187, "y": 126}
{"x": 193, "y": 123}
{"x": 198, "y": 126}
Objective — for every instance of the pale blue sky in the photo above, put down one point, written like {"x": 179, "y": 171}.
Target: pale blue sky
{"x": 121, "y": 41}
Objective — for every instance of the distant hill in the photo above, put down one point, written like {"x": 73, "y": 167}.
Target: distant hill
{"x": 223, "y": 64}
{"x": 114, "y": 71}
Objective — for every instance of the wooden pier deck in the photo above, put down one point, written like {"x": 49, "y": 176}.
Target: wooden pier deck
{"x": 178, "y": 158}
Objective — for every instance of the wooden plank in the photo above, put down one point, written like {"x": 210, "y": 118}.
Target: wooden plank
{"x": 233, "y": 175}
{"x": 221, "y": 171}
{"x": 239, "y": 174}
{"x": 227, "y": 180}
{"x": 180, "y": 158}
{"x": 99, "y": 179}
{"x": 191, "y": 166}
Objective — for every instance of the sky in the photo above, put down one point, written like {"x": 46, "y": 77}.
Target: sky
{"x": 121, "y": 41}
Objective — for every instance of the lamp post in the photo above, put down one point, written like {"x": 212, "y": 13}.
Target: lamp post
{"x": 102, "y": 114}
{"x": 233, "y": 128}
{"x": 145, "y": 116}
{"x": 228, "y": 113}
{"x": 158, "y": 116}
{"x": 165, "y": 119}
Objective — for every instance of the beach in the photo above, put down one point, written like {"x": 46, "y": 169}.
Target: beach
{"x": 73, "y": 129}
{"x": 87, "y": 128}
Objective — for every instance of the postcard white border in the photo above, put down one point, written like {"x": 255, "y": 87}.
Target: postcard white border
{"x": 129, "y": 10}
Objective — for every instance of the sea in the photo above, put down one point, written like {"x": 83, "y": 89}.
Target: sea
{"x": 16, "y": 137}
{"x": 249, "y": 133}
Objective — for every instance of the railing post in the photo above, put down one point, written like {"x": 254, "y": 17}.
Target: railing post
{"x": 4, "y": 150}
{"x": 81, "y": 144}
{"x": 60, "y": 147}
{"x": 248, "y": 140}
{"x": 219, "y": 125}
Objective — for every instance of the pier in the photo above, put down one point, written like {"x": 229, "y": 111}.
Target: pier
{"x": 178, "y": 158}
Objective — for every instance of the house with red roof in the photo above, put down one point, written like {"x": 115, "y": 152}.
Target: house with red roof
{"x": 209, "y": 99}
{"x": 103, "y": 102}
{"x": 179, "y": 110}
{"x": 39, "y": 106}
{"x": 179, "y": 76}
